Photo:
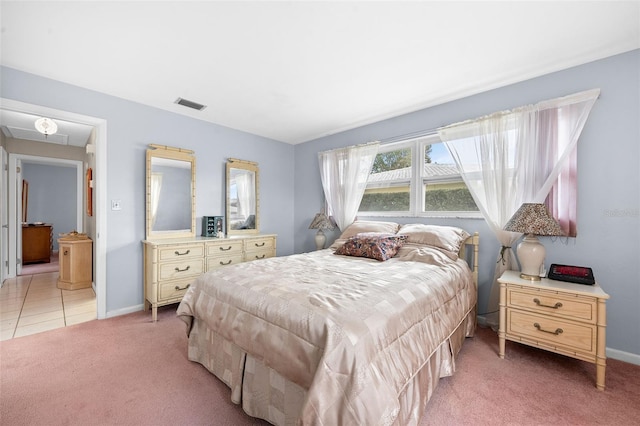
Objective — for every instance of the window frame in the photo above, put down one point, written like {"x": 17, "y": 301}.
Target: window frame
{"x": 417, "y": 146}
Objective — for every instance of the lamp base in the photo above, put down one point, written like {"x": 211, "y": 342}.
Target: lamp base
{"x": 531, "y": 254}
{"x": 530, "y": 277}
{"x": 320, "y": 239}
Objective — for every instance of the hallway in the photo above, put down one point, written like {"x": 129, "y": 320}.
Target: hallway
{"x": 32, "y": 304}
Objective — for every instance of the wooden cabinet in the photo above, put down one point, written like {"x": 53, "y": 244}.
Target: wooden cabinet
{"x": 36, "y": 243}
{"x": 171, "y": 265}
{"x": 76, "y": 263}
{"x": 566, "y": 318}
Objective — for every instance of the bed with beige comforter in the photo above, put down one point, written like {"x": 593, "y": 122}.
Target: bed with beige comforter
{"x": 325, "y": 339}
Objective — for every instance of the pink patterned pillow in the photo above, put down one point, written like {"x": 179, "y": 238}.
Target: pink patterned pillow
{"x": 372, "y": 245}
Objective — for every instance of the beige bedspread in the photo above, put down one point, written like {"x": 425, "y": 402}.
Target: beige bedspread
{"x": 353, "y": 331}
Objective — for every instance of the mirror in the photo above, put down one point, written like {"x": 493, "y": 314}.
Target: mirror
{"x": 171, "y": 192}
{"x": 242, "y": 197}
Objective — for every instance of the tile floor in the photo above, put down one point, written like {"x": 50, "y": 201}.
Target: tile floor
{"x": 32, "y": 304}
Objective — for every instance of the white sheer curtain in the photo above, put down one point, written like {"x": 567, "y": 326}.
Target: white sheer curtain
{"x": 512, "y": 157}
{"x": 344, "y": 174}
{"x": 246, "y": 190}
{"x": 156, "y": 186}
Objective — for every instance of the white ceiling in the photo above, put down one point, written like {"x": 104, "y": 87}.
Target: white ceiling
{"x": 20, "y": 125}
{"x": 296, "y": 71}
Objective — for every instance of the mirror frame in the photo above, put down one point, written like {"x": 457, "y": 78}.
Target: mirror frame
{"x": 171, "y": 153}
{"x": 234, "y": 163}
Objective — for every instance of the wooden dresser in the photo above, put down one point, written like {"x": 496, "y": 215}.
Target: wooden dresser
{"x": 566, "y": 318}
{"x": 37, "y": 241}
{"x": 170, "y": 265}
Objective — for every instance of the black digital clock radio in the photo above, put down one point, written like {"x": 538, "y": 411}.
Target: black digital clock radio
{"x": 572, "y": 274}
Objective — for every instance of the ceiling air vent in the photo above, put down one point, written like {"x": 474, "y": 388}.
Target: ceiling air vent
{"x": 190, "y": 104}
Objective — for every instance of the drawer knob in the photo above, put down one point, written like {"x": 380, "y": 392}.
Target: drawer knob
{"x": 182, "y": 254}
{"x": 183, "y": 288}
{"x": 556, "y": 306}
{"x": 225, "y": 249}
{"x": 261, "y": 257}
{"x": 226, "y": 263}
{"x": 182, "y": 270}
{"x": 259, "y": 245}
{"x": 558, "y": 330}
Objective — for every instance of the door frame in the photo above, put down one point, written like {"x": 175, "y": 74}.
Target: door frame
{"x": 99, "y": 190}
{"x": 4, "y": 215}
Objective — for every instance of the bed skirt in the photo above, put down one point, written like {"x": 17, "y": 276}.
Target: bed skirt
{"x": 265, "y": 394}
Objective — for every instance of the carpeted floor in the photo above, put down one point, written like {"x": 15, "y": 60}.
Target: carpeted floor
{"x": 130, "y": 371}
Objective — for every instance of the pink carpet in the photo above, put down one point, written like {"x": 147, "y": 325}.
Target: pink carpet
{"x": 130, "y": 371}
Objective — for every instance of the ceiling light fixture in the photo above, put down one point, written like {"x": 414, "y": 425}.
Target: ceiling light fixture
{"x": 46, "y": 126}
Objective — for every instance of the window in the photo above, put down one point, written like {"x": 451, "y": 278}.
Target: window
{"x": 416, "y": 177}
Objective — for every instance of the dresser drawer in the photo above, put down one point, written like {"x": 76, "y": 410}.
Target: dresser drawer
{"x": 174, "y": 289}
{"x": 259, "y": 254}
{"x": 259, "y": 248}
{"x": 573, "y": 307}
{"x": 224, "y": 248}
{"x": 186, "y": 268}
{"x": 224, "y": 260}
{"x": 179, "y": 252}
{"x": 260, "y": 244}
{"x": 552, "y": 331}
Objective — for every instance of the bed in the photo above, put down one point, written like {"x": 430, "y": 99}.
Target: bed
{"x": 358, "y": 333}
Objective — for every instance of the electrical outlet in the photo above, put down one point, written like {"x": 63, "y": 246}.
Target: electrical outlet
{"x": 116, "y": 205}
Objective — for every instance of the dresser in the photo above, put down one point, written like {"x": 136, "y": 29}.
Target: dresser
{"x": 561, "y": 317}
{"x": 37, "y": 241}
{"x": 171, "y": 265}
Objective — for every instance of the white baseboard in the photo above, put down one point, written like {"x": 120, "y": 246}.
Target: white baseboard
{"x": 623, "y": 356}
{"x": 125, "y": 311}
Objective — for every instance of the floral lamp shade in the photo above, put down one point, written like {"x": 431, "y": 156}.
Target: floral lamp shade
{"x": 532, "y": 219}
{"x": 321, "y": 222}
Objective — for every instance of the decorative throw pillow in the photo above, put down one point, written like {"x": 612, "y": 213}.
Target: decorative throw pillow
{"x": 372, "y": 245}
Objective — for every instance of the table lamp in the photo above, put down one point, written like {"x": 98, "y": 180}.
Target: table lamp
{"x": 532, "y": 219}
{"x": 320, "y": 222}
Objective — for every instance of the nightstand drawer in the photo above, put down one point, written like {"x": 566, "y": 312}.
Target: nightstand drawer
{"x": 174, "y": 289}
{"x": 576, "y": 307}
{"x": 178, "y": 252}
{"x": 551, "y": 331}
{"x": 187, "y": 268}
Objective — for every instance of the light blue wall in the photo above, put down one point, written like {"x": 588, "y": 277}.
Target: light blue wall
{"x": 608, "y": 160}
{"x": 608, "y": 183}
{"x": 130, "y": 128}
{"x": 52, "y": 197}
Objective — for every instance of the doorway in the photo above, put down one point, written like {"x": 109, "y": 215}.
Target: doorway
{"x": 55, "y": 207}
{"x": 98, "y": 231}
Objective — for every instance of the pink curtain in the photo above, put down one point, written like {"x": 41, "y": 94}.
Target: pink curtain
{"x": 563, "y": 198}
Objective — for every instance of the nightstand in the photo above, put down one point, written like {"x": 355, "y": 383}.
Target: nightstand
{"x": 561, "y": 317}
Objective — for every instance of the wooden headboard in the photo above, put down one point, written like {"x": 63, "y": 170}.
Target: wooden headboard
{"x": 469, "y": 252}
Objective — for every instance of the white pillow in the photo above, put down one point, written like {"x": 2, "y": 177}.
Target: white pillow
{"x": 449, "y": 238}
